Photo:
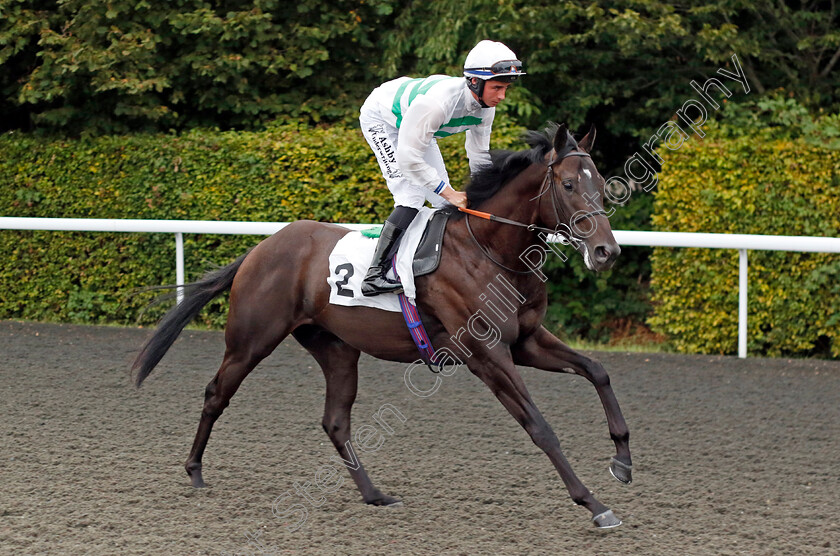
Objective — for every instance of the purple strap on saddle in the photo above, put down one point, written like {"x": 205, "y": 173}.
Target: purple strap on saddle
{"x": 415, "y": 325}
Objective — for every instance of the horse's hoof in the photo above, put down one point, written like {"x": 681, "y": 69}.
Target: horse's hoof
{"x": 606, "y": 520}
{"x": 386, "y": 501}
{"x": 196, "y": 479}
{"x": 621, "y": 471}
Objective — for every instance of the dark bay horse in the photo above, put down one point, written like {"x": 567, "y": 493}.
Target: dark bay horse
{"x": 280, "y": 288}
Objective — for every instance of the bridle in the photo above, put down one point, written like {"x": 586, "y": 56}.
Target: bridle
{"x": 548, "y": 184}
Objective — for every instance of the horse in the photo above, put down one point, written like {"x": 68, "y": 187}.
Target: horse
{"x": 279, "y": 288}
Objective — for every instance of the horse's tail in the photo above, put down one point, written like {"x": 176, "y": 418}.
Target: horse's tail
{"x": 197, "y": 295}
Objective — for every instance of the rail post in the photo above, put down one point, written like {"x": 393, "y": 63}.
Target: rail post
{"x": 742, "y": 303}
{"x": 179, "y": 265}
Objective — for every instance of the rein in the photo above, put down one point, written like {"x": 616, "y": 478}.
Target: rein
{"x": 502, "y": 221}
{"x": 548, "y": 183}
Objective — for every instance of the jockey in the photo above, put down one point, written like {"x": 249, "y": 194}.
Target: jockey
{"x": 401, "y": 120}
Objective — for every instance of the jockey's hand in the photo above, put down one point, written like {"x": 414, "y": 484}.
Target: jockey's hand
{"x": 457, "y": 198}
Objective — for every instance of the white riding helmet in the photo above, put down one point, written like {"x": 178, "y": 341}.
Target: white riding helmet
{"x": 492, "y": 60}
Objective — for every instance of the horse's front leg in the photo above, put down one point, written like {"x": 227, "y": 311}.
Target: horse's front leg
{"x": 496, "y": 369}
{"x": 545, "y": 351}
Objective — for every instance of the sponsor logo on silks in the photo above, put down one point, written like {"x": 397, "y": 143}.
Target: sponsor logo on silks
{"x": 387, "y": 157}
{"x": 392, "y": 172}
{"x": 388, "y": 150}
{"x": 379, "y": 128}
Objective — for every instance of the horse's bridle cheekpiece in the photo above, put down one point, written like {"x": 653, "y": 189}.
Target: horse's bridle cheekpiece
{"x": 549, "y": 179}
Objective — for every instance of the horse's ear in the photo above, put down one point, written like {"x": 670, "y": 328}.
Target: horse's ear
{"x": 561, "y": 137}
{"x": 588, "y": 140}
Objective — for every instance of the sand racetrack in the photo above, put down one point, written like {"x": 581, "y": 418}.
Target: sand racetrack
{"x": 730, "y": 456}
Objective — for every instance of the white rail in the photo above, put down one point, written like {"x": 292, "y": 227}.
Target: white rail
{"x": 741, "y": 242}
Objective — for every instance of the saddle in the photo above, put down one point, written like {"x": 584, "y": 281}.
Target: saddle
{"x": 427, "y": 256}
{"x": 351, "y": 257}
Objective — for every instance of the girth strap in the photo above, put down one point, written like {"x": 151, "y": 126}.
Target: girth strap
{"x": 415, "y": 327}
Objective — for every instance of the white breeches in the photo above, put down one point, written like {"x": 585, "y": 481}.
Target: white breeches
{"x": 382, "y": 138}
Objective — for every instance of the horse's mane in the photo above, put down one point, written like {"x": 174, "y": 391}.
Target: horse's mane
{"x": 505, "y": 165}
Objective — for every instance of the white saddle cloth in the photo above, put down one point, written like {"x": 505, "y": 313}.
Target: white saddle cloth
{"x": 351, "y": 258}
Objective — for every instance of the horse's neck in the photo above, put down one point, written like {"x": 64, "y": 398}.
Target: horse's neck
{"x": 518, "y": 201}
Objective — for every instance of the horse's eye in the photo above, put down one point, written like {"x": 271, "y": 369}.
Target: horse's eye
{"x": 568, "y": 185}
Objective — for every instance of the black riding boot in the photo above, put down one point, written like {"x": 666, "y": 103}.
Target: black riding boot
{"x": 375, "y": 281}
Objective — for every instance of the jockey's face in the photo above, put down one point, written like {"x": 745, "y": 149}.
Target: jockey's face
{"x": 494, "y": 92}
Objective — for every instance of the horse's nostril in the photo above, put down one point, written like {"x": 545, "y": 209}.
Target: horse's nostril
{"x": 605, "y": 253}
{"x": 602, "y": 253}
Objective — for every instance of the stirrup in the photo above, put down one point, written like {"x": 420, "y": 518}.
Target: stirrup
{"x": 378, "y": 284}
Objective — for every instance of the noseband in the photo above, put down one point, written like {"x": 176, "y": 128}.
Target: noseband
{"x": 548, "y": 184}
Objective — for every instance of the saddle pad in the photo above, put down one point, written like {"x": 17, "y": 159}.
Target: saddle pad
{"x": 351, "y": 258}
{"x": 349, "y": 263}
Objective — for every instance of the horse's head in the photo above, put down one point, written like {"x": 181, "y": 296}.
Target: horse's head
{"x": 572, "y": 200}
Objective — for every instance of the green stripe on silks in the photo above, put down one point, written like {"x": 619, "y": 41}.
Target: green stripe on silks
{"x": 421, "y": 86}
{"x": 373, "y": 232}
{"x": 466, "y": 120}
{"x": 422, "y": 89}
{"x": 457, "y": 122}
{"x": 396, "y": 109}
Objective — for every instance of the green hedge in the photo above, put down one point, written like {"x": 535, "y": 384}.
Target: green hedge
{"x": 749, "y": 184}
{"x": 282, "y": 174}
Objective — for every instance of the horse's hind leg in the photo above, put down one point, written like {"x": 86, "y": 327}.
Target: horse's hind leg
{"x": 245, "y": 349}
{"x": 339, "y": 362}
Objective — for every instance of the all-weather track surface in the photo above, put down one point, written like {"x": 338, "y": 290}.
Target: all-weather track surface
{"x": 730, "y": 456}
